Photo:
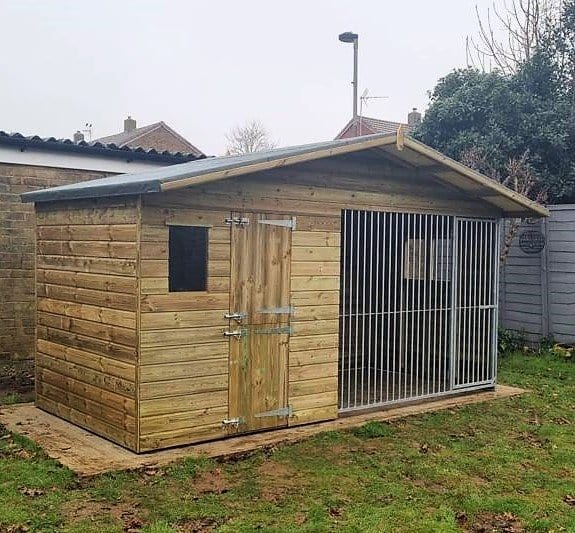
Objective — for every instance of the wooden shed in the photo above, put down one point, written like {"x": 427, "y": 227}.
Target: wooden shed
{"x": 254, "y": 292}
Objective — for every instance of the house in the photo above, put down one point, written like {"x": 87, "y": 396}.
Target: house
{"x": 260, "y": 291}
{"x": 29, "y": 163}
{"x": 158, "y": 136}
{"x": 361, "y": 125}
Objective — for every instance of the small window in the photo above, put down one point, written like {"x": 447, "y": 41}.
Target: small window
{"x": 188, "y": 258}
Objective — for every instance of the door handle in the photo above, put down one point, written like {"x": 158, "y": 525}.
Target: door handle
{"x": 237, "y": 316}
{"x": 238, "y": 334}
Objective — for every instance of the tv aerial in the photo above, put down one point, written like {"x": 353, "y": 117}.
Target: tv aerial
{"x": 365, "y": 98}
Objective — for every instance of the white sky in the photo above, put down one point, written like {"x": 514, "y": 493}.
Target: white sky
{"x": 204, "y": 67}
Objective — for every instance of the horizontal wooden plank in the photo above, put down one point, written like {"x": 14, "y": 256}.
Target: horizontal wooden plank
{"x": 104, "y": 397}
{"x": 87, "y": 375}
{"x": 153, "y": 232}
{"x": 99, "y": 427}
{"x": 97, "y": 216}
{"x": 315, "y": 312}
{"x": 315, "y": 283}
{"x": 101, "y": 282}
{"x": 187, "y": 419}
{"x": 183, "y": 319}
{"x": 157, "y": 268}
{"x": 201, "y": 393}
{"x": 94, "y": 313}
{"x": 180, "y": 437}
{"x": 182, "y": 387}
{"x": 111, "y": 300}
{"x": 312, "y": 386}
{"x": 311, "y": 268}
{"x": 315, "y": 253}
{"x": 315, "y": 371}
{"x": 315, "y": 238}
{"x": 184, "y": 353}
{"x": 312, "y": 401}
{"x": 311, "y": 357}
{"x": 314, "y": 298}
{"x": 318, "y": 223}
{"x": 93, "y": 265}
{"x": 317, "y": 414}
{"x": 317, "y": 327}
{"x": 107, "y": 332}
{"x": 185, "y": 301}
{"x": 93, "y": 232}
{"x": 104, "y": 365}
{"x": 313, "y": 342}
{"x": 112, "y": 249}
{"x": 154, "y": 285}
{"x": 175, "y": 337}
{"x": 159, "y": 214}
{"x": 189, "y": 369}
{"x": 88, "y": 406}
{"x": 94, "y": 345}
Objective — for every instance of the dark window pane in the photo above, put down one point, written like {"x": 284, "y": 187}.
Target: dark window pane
{"x": 188, "y": 258}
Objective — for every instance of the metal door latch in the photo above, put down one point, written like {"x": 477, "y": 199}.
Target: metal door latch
{"x": 238, "y": 317}
{"x": 238, "y": 333}
{"x": 238, "y": 221}
{"x": 233, "y": 422}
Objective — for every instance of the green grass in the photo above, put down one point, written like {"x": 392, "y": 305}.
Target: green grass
{"x": 501, "y": 464}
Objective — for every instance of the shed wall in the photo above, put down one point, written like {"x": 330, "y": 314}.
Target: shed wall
{"x": 184, "y": 356}
{"x": 87, "y": 320}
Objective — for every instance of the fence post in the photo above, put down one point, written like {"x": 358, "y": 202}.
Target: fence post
{"x": 545, "y": 326}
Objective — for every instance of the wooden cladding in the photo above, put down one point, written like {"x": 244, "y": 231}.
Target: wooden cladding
{"x": 87, "y": 315}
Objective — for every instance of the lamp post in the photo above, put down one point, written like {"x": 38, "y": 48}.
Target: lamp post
{"x": 350, "y": 37}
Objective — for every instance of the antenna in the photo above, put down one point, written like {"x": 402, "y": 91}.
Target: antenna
{"x": 363, "y": 100}
{"x": 88, "y": 130}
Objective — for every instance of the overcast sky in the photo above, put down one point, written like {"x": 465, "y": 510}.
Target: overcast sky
{"x": 205, "y": 66}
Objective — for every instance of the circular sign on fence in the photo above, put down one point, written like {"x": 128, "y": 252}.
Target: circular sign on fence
{"x": 531, "y": 241}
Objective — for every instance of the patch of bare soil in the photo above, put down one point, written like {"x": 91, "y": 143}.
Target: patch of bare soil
{"x": 212, "y": 482}
{"x": 491, "y": 523}
{"x": 128, "y": 515}
{"x": 277, "y": 481}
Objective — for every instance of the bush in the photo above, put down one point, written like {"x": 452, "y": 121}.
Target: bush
{"x": 509, "y": 341}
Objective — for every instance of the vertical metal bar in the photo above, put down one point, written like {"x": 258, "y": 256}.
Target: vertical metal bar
{"x": 427, "y": 314}
{"x": 378, "y": 305}
{"x": 396, "y": 333}
{"x": 352, "y": 305}
{"x": 344, "y": 295}
{"x": 454, "y": 303}
{"x": 409, "y": 288}
{"x": 416, "y": 355}
{"x": 364, "y": 299}
{"x": 495, "y": 297}
{"x": 482, "y": 302}
{"x": 370, "y": 309}
{"x": 388, "y": 240}
{"x": 381, "y": 250}
{"x": 473, "y": 311}
{"x": 356, "y": 310}
{"x": 402, "y": 318}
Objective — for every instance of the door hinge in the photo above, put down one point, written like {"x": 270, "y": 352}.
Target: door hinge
{"x": 233, "y": 422}
{"x": 238, "y": 221}
{"x": 283, "y": 411}
{"x": 288, "y": 223}
{"x": 286, "y": 310}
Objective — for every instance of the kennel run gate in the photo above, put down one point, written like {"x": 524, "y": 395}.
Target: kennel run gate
{"x": 418, "y": 306}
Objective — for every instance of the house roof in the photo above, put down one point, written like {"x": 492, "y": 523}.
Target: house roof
{"x": 405, "y": 151}
{"x": 130, "y": 138}
{"x": 94, "y": 148}
{"x": 369, "y": 125}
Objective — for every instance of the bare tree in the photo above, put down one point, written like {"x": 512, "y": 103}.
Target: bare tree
{"x": 251, "y": 137}
{"x": 508, "y": 35}
{"x": 518, "y": 176}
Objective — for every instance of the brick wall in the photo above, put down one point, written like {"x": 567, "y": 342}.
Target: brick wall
{"x": 17, "y": 256}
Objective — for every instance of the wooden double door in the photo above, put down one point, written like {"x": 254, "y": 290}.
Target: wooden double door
{"x": 259, "y": 323}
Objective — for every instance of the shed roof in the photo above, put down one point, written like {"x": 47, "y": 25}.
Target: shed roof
{"x": 405, "y": 151}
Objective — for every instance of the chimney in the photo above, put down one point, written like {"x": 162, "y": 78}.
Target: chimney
{"x": 78, "y": 137}
{"x": 129, "y": 124}
{"x": 414, "y": 118}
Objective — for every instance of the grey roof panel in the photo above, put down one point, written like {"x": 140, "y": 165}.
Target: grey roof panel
{"x": 150, "y": 181}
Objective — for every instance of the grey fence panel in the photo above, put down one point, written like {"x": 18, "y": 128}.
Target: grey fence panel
{"x": 538, "y": 290}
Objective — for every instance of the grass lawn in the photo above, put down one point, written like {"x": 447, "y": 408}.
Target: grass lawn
{"x": 504, "y": 466}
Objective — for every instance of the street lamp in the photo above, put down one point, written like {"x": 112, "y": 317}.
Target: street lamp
{"x": 350, "y": 37}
